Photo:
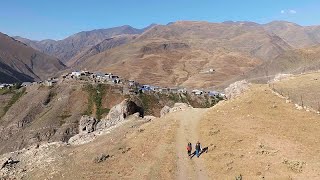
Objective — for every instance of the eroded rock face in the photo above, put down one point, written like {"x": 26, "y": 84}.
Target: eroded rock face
{"x": 280, "y": 77}
{"x": 180, "y": 107}
{"x": 119, "y": 112}
{"x": 165, "y": 110}
{"x": 237, "y": 88}
{"x": 90, "y": 128}
{"x": 177, "y": 107}
{"x": 87, "y": 124}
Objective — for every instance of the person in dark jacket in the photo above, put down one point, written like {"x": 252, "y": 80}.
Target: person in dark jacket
{"x": 198, "y": 149}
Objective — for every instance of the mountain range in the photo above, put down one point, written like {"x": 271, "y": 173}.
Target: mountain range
{"x": 182, "y": 53}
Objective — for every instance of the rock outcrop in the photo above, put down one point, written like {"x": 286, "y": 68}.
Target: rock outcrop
{"x": 165, "y": 110}
{"x": 237, "y": 88}
{"x": 87, "y": 124}
{"x": 119, "y": 112}
{"x": 177, "y": 107}
{"x": 280, "y": 77}
{"x": 90, "y": 128}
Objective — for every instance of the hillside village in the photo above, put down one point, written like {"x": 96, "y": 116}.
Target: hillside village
{"x": 227, "y": 130}
{"x": 128, "y": 86}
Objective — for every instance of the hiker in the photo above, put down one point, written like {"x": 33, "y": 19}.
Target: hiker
{"x": 198, "y": 149}
{"x": 189, "y": 148}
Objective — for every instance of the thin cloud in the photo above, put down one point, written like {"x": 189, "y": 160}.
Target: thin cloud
{"x": 290, "y": 11}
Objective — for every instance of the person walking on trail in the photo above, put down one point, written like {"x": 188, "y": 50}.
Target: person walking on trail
{"x": 189, "y": 148}
{"x": 198, "y": 149}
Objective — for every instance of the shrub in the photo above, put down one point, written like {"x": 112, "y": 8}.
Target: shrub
{"x": 95, "y": 99}
{"x": 16, "y": 96}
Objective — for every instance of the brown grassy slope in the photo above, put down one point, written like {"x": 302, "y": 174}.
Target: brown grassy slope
{"x": 235, "y": 50}
{"x": 69, "y": 47}
{"x": 176, "y": 54}
{"x": 304, "y": 86}
{"x": 106, "y": 44}
{"x": 294, "y": 34}
{"x": 292, "y": 62}
{"x": 4, "y": 99}
{"x": 42, "y": 114}
{"x": 259, "y": 135}
{"x": 26, "y": 61}
{"x": 145, "y": 154}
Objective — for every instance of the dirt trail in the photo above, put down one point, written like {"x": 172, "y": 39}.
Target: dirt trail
{"x": 188, "y": 132}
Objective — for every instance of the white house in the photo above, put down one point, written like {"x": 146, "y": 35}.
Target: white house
{"x": 132, "y": 83}
{"x": 213, "y": 93}
{"x": 182, "y": 90}
{"x": 2, "y": 86}
{"x": 76, "y": 74}
{"x": 50, "y": 82}
{"x": 222, "y": 95}
{"x": 211, "y": 70}
{"x": 174, "y": 90}
{"x": 197, "y": 92}
{"x": 25, "y": 84}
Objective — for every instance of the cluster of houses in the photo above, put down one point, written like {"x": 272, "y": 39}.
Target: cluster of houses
{"x": 150, "y": 88}
{"x": 4, "y": 86}
{"x": 135, "y": 86}
{"x": 109, "y": 78}
{"x": 97, "y": 77}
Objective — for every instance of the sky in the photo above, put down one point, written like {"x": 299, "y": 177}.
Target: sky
{"x": 58, "y": 19}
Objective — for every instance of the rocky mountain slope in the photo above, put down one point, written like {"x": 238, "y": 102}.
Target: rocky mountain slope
{"x": 18, "y": 62}
{"x": 182, "y": 53}
{"x": 39, "y": 114}
{"x": 294, "y": 34}
{"x": 68, "y": 48}
{"x": 106, "y": 44}
{"x": 258, "y": 135}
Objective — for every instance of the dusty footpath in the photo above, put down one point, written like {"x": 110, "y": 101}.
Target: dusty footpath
{"x": 255, "y": 136}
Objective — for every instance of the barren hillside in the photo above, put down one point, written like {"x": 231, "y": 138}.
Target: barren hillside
{"x": 67, "y": 48}
{"x": 100, "y": 47}
{"x": 294, "y": 34}
{"x": 260, "y": 135}
{"x": 182, "y": 53}
{"x": 18, "y": 62}
{"x": 301, "y": 89}
{"x": 39, "y": 114}
{"x": 257, "y": 135}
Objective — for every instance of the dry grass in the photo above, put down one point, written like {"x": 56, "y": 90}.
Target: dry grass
{"x": 257, "y": 135}
{"x": 138, "y": 150}
{"x": 260, "y": 135}
{"x": 301, "y": 89}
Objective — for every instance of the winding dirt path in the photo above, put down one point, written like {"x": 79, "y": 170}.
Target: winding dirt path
{"x": 188, "y": 132}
